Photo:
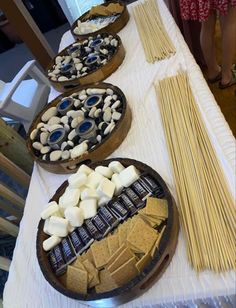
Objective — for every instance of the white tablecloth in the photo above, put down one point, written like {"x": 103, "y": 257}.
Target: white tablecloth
{"x": 26, "y": 286}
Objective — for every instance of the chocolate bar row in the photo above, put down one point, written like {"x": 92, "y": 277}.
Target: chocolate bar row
{"x": 108, "y": 217}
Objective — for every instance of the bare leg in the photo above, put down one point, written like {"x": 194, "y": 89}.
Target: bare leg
{"x": 228, "y": 28}
{"x": 207, "y": 39}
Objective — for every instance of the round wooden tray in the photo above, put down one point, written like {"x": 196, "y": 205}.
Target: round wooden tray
{"x": 93, "y": 77}
{"x": 145, "y": 279}
{"x": 113, "y": 27}
{"x": 108, "y": 145}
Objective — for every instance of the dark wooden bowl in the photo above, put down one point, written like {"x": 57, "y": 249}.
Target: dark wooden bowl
{"x": 93, "y": 77}
{"x": 113, "y": 27}
{"x": 108, "y": 145}
{"x": 147, "y": 277}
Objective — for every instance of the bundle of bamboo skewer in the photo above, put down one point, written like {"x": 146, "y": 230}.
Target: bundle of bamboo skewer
{"x": 155, "y": 40}
{"x": 206, "y": 204}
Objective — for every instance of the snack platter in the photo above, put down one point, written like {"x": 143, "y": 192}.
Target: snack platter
{"x": 88, "y": 61}
{"x": 115, "y": 249}
{"x": 108, "y": 17}
{"x": 85, "y": 124}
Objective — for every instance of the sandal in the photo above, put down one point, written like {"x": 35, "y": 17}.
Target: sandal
{"x": 231, "y": 83}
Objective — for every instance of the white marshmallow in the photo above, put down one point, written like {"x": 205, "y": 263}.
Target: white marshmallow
{"x": 45, "y": 227}
{"x": 70, "y": 198}
{"x": 106, "y": 188}
{"x": 77, "y": 180}
{"x": 51, "y": 242}
{"x": 128, "y": 176}
{"x": 75, "y": 216}
{"x": 89, "y": 208}
{"x": 51, "y": 208}
{"x": 116, "y": 180}
{"x": 105, "y": 171}
{"x": 103, "y": 201}
{"x": 70, "y": 228}
{"x": 89, "y": 193}
{"x": 116, "y": 166}
{"x": 85, "y": 169}
{"x": 58, "y": 226}
{"x": 94, "y": 180}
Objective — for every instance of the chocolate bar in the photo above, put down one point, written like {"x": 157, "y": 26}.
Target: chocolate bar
{"x": 77, "y": 243}
{"x": 128, "y": 203}
{"x": 92, "y": 229}
{"x": 102, "y": 226}
{"x": 110, "y": 218}
{"x": 149, "y": 182}
{"x": 67, "y": 250}
{"x": 140, "y": 190}
{"x": 85, "y": 236}
{"x": 119, "y": 209}
{"x": 134, "y": 198}
{"x": 56, "y": 261}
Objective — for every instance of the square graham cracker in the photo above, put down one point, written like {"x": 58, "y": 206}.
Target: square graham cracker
{"x": 126, "y": 272}
{"x": 76, "y": 279}
{"x": 107, "y": 283}
{"x": 100, "y": 253}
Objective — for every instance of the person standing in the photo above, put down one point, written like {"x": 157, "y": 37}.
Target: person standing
{"x": 206, "y": 12}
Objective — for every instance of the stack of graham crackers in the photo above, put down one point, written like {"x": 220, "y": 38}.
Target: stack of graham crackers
{"x": 121, "y": 256}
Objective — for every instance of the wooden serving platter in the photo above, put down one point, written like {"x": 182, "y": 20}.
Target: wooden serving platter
{"x": 113, "y": 27}
{"x": 108, "y": 145}
{"x": 150, "y": 274}
{"x": 93, "y": 77}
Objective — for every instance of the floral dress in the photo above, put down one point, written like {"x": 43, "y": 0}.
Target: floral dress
{"x": 200, "y": 9}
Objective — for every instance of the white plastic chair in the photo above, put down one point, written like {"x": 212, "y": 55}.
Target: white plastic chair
{"x": 22, "y": 99}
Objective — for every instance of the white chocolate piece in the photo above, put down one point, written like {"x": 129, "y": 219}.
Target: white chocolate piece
{"x": 116, "y": 180}
{"x": 85, "y": 169}
{"x": 103, "y": 201}
{"x": 105, "y": 171}
{"x": 51, "y": 208}
{"x": 89, "y": 208}
{"x": 89, "y": 193}
{"x": 70, "y": 198}
{"x": 106, "y": 188}
{"x": 128, "y": 176}
{"x": 58, "y": 226}
{"x": 94, "y": 180}
{"x": 77, "y": 180}
{"x": 45, "y": 227}
{"x": 75, "y": 216}
{"x": 51, "y": 242}
{"x": 116, "y": 166}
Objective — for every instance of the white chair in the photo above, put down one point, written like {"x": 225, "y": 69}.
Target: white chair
{"x": 22, "y": 99}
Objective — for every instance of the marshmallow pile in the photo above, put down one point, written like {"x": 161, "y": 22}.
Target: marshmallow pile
{"x": 105, "y": 115}
{"x": 93, "y": 25}
{"x": 88, "y": 190}
{"x": 73, "y": 63}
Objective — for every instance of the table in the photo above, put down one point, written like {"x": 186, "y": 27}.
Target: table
{"x": 26, "y": 286}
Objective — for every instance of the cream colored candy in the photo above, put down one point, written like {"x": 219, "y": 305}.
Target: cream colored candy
{"x": 51, "y": 242}
{"x": 105, "y": 171}
{"x": 89, "y": 208}
{"x": 128, "y": 176}
{"x": 45, "y": 227}
{"x": 51, "y": 208}
{"x": 75, "y": 216}
{"x": 85, "y": 169}
{"x": 116, "y": 166}
{"x": 106, "y": 188}
{"x": 58, "y": 226}
{"x": 116, "y": 180}
{"x": 70, "y": 228}
{"x": 94, "y": 180}
{"x": 70, "y": 198}
{"x": 77, "y": 180}
{"x": 89, "y": 193}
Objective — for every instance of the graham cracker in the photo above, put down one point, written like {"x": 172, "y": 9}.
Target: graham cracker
{"x": 125, "y": 272}
{"x": 93, "y": 273}
{"x": 100, "y": 253}
{"x": 156, "y": 244}
{"x": 113, "y": 243}
{"x": 76, "y": 280}
{"x": 122, "y": 233}
{"x": 123, "y": 257}
{"x": 157, "y": 207}
{"x": 142, "y": 236}
{"x": 141, "y": 264}
{"x": 78, "y": 264}
{"x": 107, "y": 283}
{"x": 116, "y": 254}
